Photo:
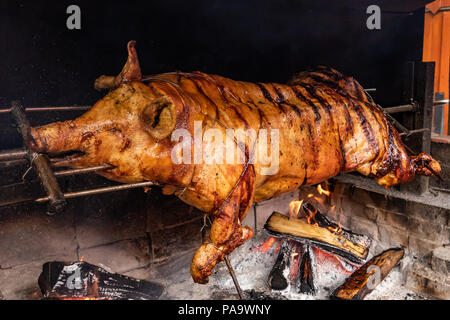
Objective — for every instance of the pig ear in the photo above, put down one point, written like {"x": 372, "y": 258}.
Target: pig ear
{"x": 130, "y": 72}
{"x": 159, "y": 118}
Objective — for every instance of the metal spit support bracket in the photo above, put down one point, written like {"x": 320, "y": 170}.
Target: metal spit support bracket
{"x": 40, "y": 163}
{"x": 419, "y": 88}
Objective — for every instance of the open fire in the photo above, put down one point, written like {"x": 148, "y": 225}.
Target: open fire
{"x": 307, "y": 238}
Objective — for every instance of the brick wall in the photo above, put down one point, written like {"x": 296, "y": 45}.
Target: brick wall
{"x": 392, "y": 222}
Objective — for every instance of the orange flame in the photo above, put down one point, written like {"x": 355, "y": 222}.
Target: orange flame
{"x": 294, "y": 207}
{"x": 319, "y": 200}
{"x": 310, "y": 217}
{"x": 323, "y": 191}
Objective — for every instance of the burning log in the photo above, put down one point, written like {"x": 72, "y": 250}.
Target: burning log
{"x": 279, "y": 275}
{"x": 345, "y": 243}
{"x": 84, "y": 281}
{"x": 368, "y": 276}
{"x": 306, "y": 273}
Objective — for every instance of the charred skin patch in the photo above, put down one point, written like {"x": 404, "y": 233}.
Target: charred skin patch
{"x": 367, "y": 129}
{"x": 302, "y": 97}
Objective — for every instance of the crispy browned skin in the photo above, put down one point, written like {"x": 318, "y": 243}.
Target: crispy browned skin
{"x": 326, "y": 125}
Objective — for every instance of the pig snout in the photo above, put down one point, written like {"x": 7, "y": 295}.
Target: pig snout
{"x": 58, "y": 137}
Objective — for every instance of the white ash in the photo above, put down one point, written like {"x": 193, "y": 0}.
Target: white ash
{"x": 252, "y": 268}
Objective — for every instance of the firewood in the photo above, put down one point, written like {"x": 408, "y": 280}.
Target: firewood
{"x": 354, "y": 247}
{"x": 305, "y": 282}
{"x": 84, "y": 281}
{"x": 325, "y": 222}
{"x": 279, "y": 275}
{"x": 368, "y": 276}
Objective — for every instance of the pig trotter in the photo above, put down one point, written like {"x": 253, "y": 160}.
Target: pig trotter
{"x": 425, "y": 165}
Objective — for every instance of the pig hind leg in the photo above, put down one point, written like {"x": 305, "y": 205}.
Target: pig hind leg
{"x": 226, "y": 231}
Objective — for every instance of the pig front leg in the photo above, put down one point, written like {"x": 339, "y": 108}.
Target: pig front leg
{"x": 226, "y": 230}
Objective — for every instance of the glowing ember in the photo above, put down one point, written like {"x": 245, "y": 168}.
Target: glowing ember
{"x": 310, "y": 195}
{"x": 294, "y": 207}
{"x": 322, "y": 255}
{"x": 323, "y": 191}
{"x": 265, "y": 247}
{"x": 293, "y": 271}
{"x": 337, "y": 229}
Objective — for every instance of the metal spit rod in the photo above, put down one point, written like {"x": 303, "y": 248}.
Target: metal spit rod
{"x": 15, "y": 154}
{"x": 83, "y": 193}
{"x": 21, "y": 154}
{"x": 70, "y": 172}
{"x": 396, "y": 109}
{"x": 402, "y": 108}
{"x": 40, "y": 109}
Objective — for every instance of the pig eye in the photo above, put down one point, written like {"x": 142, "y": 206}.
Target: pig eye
{"x": 159, "y": 118}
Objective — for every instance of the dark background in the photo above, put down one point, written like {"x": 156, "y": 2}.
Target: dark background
{"x": 44, "y": 63}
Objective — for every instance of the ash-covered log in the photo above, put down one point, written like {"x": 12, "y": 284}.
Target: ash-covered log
{"x": 349, "y": 245}
{"x": 84, "y": 281}
{"x": 305, "y": 282}
{"x": 368, "y": 276}
{"x": 279, "y": 275}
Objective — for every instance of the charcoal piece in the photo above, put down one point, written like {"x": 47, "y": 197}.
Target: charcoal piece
{"x": 279, "y": 275}
{"x": 84, "y": 281}
{"x": 306, "y": 272}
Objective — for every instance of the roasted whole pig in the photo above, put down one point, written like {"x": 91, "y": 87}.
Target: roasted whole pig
{"x": 325, "y": 124}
